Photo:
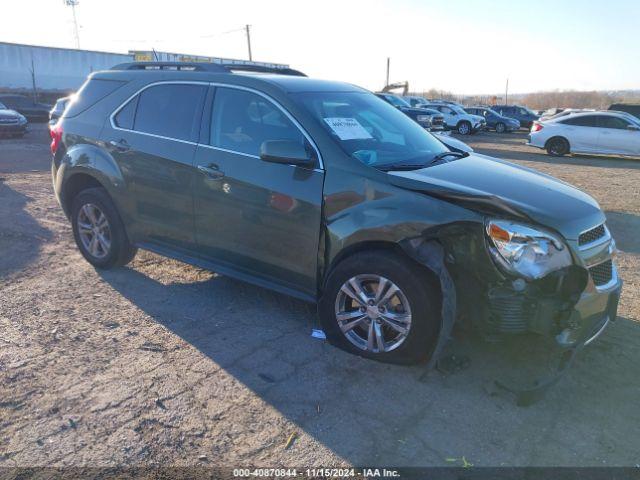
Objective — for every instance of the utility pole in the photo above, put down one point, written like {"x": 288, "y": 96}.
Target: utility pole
{"x": 33, "y": 80}
{"x": 506, "y": 93}
{"x": 388, "y": 64}
{"x": 72, "y": 4}
{"x": 249, "y": 41}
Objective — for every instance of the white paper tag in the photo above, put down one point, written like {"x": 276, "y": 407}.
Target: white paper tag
{"x": 347, "y": 128}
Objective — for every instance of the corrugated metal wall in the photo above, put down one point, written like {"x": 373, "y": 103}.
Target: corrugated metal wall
{"x": 55, "y": 68}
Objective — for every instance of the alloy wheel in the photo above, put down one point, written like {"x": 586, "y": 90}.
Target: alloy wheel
{"x": 94, "y": 230}
{"x": 373, "y": 313}
{"x": 464, "y": 128}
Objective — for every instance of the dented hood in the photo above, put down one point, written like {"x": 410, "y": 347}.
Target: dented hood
{"x": 500, "y": 188}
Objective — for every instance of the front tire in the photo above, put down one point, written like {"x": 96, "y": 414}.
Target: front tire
{"x": 382, "y": 306}
{"x": 98, "y": 230}
{"x": 557, "y": 147}
{"x": 500, "y": 127}
{"x": 464, "y": 128}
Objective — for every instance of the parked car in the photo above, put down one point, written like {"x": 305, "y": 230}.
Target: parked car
{"x": 588, "y": 132}
{"x": 12, "y": 123}
{"x": 24, "y": 105}
{"x": 631, "y": 108}
{"x": 494, "y": 120}
{"x": 58, "y": 109}
{"x": 550, "y": 112}
{"x": 319, "y": 190}
{"x": 566, "y": 112}
{"x": 525, "y": 116}
{"x": 426, "y": 118}
{"x": 457, "y": 119}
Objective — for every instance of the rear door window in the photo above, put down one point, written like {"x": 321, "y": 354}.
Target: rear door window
{"x": 170, "y": 110}
{"x": 586, "y": 121}
{"x": 242, "y": 120}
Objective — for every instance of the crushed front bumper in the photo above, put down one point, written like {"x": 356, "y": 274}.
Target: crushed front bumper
{"x": 594, "y": 311}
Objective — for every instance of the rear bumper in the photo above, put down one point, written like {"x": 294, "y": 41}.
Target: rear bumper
{"x": 13, "y": 129}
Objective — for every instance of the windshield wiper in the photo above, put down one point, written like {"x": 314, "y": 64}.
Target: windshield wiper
{"x": 387, "y": 167}
{"x": 442, "y": 155}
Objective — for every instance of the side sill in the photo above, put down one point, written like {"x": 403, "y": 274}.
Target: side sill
{"x": 227, "y": 270}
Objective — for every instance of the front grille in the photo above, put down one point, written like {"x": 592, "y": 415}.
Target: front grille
{"x": 508, "y": 311}
{"x": 592, "y": 235}
{"x": 437, "y": 120}
{"x": 602, "y": 273}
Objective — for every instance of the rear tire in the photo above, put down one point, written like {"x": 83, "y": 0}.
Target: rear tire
{"x": 407, "y": 321}
{"x": 557, "y": 146}
{"x": 500, "y": 127}
{"x": 98, "y": 230}
{"x": 464, "y": 128}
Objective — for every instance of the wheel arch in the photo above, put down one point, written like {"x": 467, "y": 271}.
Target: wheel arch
{"x": 73, "y": 185}
{"x": 86, "y": 166}
{"x": 558, "y": 137}
{"x": 361, "y": 246}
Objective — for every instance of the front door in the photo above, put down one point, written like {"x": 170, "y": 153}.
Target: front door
{"x": 153, "y": 139}
{"x": 258, "y": 218}
{"x": 615, "y": 136}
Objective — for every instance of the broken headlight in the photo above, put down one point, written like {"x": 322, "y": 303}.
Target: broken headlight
{"x": 526, "y": 251}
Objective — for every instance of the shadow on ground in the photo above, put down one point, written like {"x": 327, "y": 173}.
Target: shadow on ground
{"x": 625, "y": 228}
{"x": 21, "y": 236}
{"x": 376, "y": 413}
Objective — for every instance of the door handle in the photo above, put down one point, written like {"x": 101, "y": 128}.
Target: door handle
{"x": 212, "y": 171}
{"x": 120, "y": 145}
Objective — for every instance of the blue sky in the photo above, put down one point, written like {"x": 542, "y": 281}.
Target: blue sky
{"x": 462, "y": 46}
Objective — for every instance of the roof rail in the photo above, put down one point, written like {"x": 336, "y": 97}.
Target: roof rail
{"x": 207, "y": 67}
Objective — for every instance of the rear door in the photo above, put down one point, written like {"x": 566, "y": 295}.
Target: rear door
{"x": 582, "y": 133}
{"x": 260, "y": 219}
{"x": 153, "y": 139}
{"x": 615, "y": 136}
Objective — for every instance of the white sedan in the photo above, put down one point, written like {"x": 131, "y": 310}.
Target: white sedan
{"x": 609, "y": 133}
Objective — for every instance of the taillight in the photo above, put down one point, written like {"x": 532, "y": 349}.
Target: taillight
{"x": 536, "y": 127}
{"x": 56, "y": 137}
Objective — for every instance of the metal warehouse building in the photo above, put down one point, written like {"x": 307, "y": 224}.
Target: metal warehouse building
{"x": 49, "y": 68}
{"x": 30, "y": 67}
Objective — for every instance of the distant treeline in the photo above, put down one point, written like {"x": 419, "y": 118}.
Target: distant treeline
{"x": 544, "y": 100}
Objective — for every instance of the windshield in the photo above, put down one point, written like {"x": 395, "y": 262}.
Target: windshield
{"x": 525, "y": 110}
{"x": 370, "y": 130}
{"x": 457, "y": 109}
{"x": 397, "y": 101}
{"x": 3, "y": 106}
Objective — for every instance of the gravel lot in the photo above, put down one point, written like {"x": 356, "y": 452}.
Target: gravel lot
{"x": 164, "y": 363}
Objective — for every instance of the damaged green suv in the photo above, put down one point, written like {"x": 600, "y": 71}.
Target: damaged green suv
{"x": 322, "y": 191}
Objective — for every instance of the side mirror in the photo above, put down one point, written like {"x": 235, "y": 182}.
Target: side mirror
{"x": 635, "y": 128}
{"x": 287, "y": 152}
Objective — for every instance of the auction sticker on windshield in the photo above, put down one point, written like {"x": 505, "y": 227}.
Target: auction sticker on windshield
{"x": 347, "y": 128}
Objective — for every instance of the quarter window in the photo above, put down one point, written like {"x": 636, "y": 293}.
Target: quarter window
{"x": 242, "y": 120}
{"x": 126, "y": 115}
{"x": 171, "y": 110}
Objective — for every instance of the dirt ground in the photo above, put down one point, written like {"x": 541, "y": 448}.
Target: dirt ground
{"x": 164, "y": 363}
